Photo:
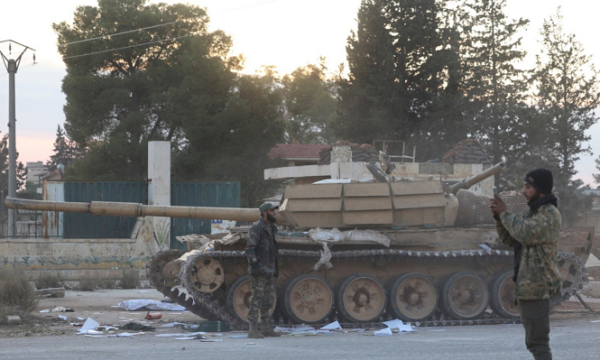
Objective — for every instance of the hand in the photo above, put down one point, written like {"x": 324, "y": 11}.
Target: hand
{"x": 497, "y": 206}
{"x": 255, "y": 271}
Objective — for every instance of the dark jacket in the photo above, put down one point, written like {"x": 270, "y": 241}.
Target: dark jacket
{"x": 262, "y": 245}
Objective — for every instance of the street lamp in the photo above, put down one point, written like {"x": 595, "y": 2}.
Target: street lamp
{"x": 12, "y": 65}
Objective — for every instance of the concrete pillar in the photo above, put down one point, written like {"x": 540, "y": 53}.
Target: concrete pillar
{"x": 159, "y": 188}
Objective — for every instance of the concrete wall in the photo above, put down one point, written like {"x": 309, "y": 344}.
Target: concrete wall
{"x": 77, "y": 258}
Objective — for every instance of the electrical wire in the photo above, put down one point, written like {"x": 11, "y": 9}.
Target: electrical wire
{"x": 158, "y": 25}
{"x": 138, "y": 30}
{"x": 127, "y": 47}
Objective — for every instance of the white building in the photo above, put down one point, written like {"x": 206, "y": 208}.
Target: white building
{"x": 35, "y": 171}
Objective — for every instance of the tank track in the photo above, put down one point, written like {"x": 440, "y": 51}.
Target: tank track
{"x": 211, "y": 307}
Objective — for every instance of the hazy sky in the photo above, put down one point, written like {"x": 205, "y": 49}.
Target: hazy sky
{"x": 284, "y": 33}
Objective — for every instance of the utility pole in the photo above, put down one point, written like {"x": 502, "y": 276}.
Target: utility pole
{"x": 12, "y": 65}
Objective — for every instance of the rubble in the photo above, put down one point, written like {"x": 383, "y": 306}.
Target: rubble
{"x": 13, "y": 319}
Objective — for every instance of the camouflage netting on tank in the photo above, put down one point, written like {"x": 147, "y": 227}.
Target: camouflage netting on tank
{"x": 473, "y": 209}
{"x": 469, "y": 151}
{"x": 360, "y": 153}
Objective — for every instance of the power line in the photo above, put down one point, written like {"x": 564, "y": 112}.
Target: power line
{"x": 126, "y": 47}
{"x": 124, "y": 32}
{"x": 158, "y": 25}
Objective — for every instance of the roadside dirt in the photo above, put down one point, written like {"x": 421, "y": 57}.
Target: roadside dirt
{"x": 101, "y": 305}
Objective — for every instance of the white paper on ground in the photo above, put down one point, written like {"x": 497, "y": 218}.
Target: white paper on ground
{"x": 181, "y": 334}
{"x": 383, "y": 332}
{"x": 485, "y": 247}
{"x": 210, "y": 340}
{"x": 398, "y": 324}
{"x": 173, "y": 324}
{"x": 333, "y": 326}
{"x": 89, "y": 324}
{"x": 323, "y": 332}
{"x": 45, "y": 311}
{"x": 150, "y": 305}
{"x": 62, "y": 317}
{"x": 189, "y": 337}
{"x": 299, "y": 328}
{"x": 127, "y": 334}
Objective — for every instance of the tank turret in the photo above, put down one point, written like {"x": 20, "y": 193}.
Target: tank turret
{"x": 396, "y": 204}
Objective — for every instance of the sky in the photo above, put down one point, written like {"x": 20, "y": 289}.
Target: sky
{"x": 283, "y": 33}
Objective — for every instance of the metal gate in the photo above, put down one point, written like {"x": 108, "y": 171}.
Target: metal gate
{"x": 213, "y": 194}
{"x": 76, "y": 225}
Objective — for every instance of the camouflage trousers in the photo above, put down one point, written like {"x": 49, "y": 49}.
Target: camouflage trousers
{"x": 263, "y": 297}
{"x": 535, "y": 317}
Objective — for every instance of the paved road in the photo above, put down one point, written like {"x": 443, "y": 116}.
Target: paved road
{"x": 572, "y": 339}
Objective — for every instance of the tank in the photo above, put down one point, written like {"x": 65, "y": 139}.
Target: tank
{"x": 424, "y": 252}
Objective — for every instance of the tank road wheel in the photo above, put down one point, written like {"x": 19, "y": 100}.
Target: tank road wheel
{"x": 361, "y": 298}
{"x": 464, "y": 296}
{"x": 163, "y": 270}
{"x": 207, "y": 275}
{"x": 503, "y": 296}
{"x": 412, "y": 297}
{"x": 307, "y": 299}
{"x": 239, "y": 296}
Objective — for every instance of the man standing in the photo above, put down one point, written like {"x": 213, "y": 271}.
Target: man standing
{"x": 263, "y": 265}
{"x": 534, "y": 236}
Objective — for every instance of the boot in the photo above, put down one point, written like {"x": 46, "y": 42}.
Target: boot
{"x": 267, "y": 329}
{"x": 254, "y": 333}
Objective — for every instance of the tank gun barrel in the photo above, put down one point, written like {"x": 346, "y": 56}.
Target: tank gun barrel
{"x": 467, "y": 183}
{"x": 135, "y": 210}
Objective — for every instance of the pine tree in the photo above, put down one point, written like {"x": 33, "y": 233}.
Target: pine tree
{"x": 494, "y": 85}
{"x": 405, "y": 75}
{"x": 368, "y": 96}
{"x": 567, "y": 94}
{"x": 65, "y": 151}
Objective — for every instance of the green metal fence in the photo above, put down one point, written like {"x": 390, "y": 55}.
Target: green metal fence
{"x": 93, "y": 227}
{"x": 214, "y": 194}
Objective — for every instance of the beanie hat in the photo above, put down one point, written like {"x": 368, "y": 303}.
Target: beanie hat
{"x": 541, "y": 180}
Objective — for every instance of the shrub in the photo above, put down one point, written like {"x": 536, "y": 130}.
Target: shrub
{"x": 87, "y": 283}
{"x": 107, "y": 283}
{"x": 17, "y": 295}
{"x": 46, "y": 280}
{"x": 130, "y": 279}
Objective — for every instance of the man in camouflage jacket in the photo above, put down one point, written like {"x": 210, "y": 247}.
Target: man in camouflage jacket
{"x": 263, "y": 265}
{"x": 534, "y": 236}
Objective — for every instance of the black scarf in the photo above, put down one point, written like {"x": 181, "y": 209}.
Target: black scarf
{"x": 533, "y": 206}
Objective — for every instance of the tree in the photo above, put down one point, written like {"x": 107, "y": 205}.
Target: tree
{"x": 237, "y": 149}
{"x": 119, "y": 100}
{"x": 367, "y": 94}
{"x": 21, "y": 170}
{"x": 65, "y": 151}
{"x": 30, "y": 192}
{"x": 494, "y": 85}
{"x": 310, "y": 105}
{"x": 567, "y": 94}
{"x": 187, "y": 91}
{"x": 406, "y": 75}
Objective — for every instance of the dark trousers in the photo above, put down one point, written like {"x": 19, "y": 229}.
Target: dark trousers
{"x": 535, "y": 317}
